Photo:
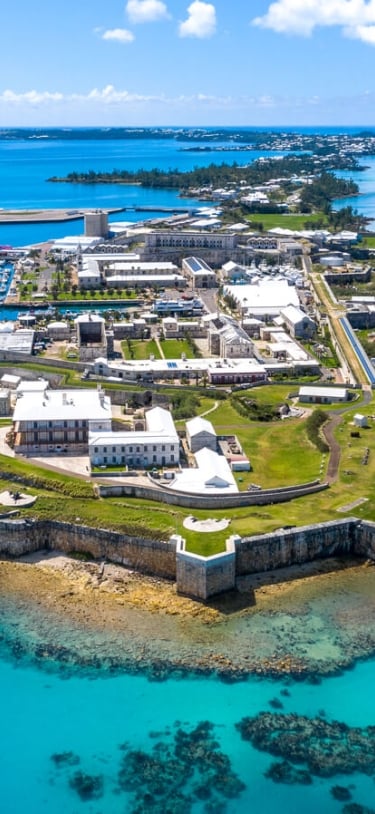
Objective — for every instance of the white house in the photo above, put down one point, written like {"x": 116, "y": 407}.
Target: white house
{"x": 212, "y": 475}
{"x": 157, "y": 445}
{"x": 200, "y": 433}
{"x": 299, "y": 324}
{"x": 322, "y": 395}
{"x": 59, "y": 420}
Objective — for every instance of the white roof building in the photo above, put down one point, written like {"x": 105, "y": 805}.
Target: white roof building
{"x": 322, "y": 395}
{"x": 59, "y": 405}
{"x": 212, "y": 475}
{"x": 157, "y": 445}
{"x": 264, "y": 297}
{"x": 31, "y": 386}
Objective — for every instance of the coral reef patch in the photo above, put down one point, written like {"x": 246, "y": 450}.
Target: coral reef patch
{"x": 178, "y": 772}
{"x": 283, "y": 772}
{"x": 326, "y": 748}
{"x": 184, "y": 767}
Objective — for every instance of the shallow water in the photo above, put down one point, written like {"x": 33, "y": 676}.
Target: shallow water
{"x": 45, "y": 714}
{"x": 87, "y": 699}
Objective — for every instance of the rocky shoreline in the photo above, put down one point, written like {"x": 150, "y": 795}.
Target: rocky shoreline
{"x": 303, "y": 622}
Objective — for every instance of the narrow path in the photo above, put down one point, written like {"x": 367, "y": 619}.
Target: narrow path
{"x": 329, "y": 433}
{"x": 211, "y": 410}
{"x": 158, "y": 345}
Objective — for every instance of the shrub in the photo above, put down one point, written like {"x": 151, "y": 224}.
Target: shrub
{"x": 314, "y": 424}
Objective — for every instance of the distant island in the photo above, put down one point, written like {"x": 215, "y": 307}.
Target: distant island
{"x": 215, "y": 175}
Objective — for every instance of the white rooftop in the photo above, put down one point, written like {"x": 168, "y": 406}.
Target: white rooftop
{"x": 199, "y": 424}
{"x": 32, "y": 386}
{"x": 265, "y": 295}
{"x": 160, "y": 421}
{"x": 56, "y": 405}
{"x": 212, "y": 475}
{"x": 320, "y": 392}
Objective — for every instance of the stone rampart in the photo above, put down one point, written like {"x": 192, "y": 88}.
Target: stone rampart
{"x": 190, "y": 501}
{"x": 196, "y": 576}
{"x": 202, "y": 577}
{"x": 286, "y": 547}
{"x": 147, "y": 556}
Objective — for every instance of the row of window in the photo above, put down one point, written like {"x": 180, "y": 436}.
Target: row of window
{"x": 135, "y": 461}
{"x": 55, "y": 424}
{"x": 204, "y": 243}
{"x": 135, "y": 449}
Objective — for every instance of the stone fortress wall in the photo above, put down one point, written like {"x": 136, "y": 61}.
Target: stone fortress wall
{"x": 196, "y": 576}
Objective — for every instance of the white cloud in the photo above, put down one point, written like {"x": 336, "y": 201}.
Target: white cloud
{"x": 118, "y": 35}
{"x": 201, "y": 21}
{"x": 146, "y": 11}
{"x": 30, "y": 97}
{"x": 355, "y": 17}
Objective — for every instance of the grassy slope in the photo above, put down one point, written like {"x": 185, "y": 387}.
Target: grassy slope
{"x": 280, "y": 454}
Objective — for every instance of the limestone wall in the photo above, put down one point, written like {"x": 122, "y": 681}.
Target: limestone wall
{"x": 196, "y": 576}
{"x": 364, "y": 545}
{"x": 202, "y": 577}
{"x": 147, "y": 556}
{"x": 296, "y": 546}
{"x": 190, "y": 501}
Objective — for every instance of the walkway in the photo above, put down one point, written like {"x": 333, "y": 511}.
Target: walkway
{"x": 329, "y": 433}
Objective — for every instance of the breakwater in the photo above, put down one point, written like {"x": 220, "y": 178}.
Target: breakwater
{"x": 196, "y": 576}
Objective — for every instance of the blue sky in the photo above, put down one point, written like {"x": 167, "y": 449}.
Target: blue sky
{"x": 150, "y": 62}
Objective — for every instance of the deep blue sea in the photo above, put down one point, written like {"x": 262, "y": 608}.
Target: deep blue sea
{"x": 43, "y": 712}
{"x": 25, "y": 166}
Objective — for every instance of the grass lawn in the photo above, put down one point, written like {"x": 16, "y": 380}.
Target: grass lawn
{"x": 368, "y": 242}
{"x": 140, "y": 350}
{"x": 279, "y": 451}
{"x": 286, "y": 221}
{"x": 280, "y": 454}
{"x": 173, "y": 348}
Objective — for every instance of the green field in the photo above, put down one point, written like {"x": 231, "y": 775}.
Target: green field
{"x": 174, "y": 348}
{"x": 280, "y": 454}
{"x": 139, "y": 349}
{"x": 287, "y": 221}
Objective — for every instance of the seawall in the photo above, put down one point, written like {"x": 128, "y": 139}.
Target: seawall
{"x": 196, "y": 576}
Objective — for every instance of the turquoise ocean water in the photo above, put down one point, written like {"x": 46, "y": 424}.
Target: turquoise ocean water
{"x": 44, "y": 714}
{"x": 50, "y": 711}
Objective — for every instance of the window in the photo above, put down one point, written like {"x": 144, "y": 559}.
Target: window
{"x": 154, "y": 449}
{"x": 96, "y": 449}
{"x": 122, "y": 449}
{"x": 172, "y": 457}
{"x": 104, "y": 449}
{"x": 105, "y": 459}
{"x": 145, "y": 449}
{"x": 113, "y": 449}
{"x": 163, "y": 449}
{"x": 130, "y": 449}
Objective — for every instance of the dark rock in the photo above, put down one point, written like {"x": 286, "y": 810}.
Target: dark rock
{"x": 341, "y": 793}
{"x": 87, "y": 786}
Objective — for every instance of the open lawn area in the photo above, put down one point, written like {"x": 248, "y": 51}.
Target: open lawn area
{"x": 279, "y": 451}
{"x": 280, "y": 454}
{"x": 140, "y": 350}
{"x": 174, "y": 348}
{"x": 286, "y": 221}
